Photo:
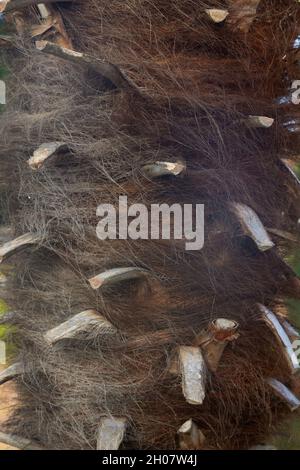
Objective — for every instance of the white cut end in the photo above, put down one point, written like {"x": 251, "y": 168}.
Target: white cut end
{"x": 157, "y": 169}
{"x": 190, "y": 436}
{"x": 274, "y": 324}
{"x": 215, "y": 338}
{"x": 82, "y": 322}
{"x": 44, "y": 12}
{"x": 252, "y": 226}
{"x": 113, "y": 276}
{"x": 283, "y": 392}
{"x": 217, "y": 15}
{"x": 43, "y": 153}
{"x": 260, "y": 121}
{"x": 186, "y": 427}
{"x": 225, "y": 324}
{"x": 111, "y": 433}
{"x": 40, "y": 45}
{"x": 17, "y": 244}
{"x": 193, "y": 372}
{"x": 11, "y": 372}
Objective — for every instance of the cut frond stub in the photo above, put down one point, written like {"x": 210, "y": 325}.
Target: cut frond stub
{"x": 18, "y": 442}
{"x": 111, "y": 433}
{"x": 157, "y": 169}
{"x": 80, "y": 323}
{"x": 252, "y": 226}
{"x": 290, "y": 330}
{"x": 259, "y": 122}
{"x": 52, "y": 24}
{"x": 20, "y": 243}
{"x": 193, "y": 374}
{"x": 115, "y": 275}
{"x": 287, "y": 164}
{"x": 284, "y": 393}
{"x": 217, "y": 15}
{"x": 272, "y": 321}
{"x": 44, "y": 152}
{"x": 11, "y": 372}
{"x": 190, "y": 437}
{"x": 109, "y": 71}
{"x": 215, "y": 339}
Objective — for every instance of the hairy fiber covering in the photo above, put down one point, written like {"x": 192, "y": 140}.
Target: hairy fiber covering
{"x": 193, "y": 85}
